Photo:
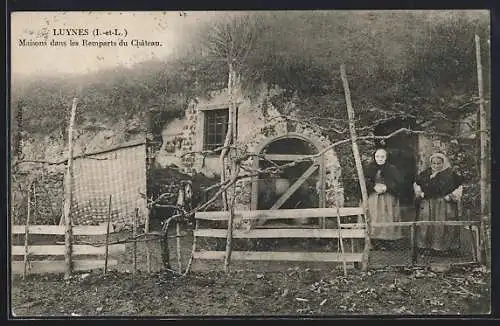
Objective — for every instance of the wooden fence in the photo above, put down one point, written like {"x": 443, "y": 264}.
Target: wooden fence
{"x": 347, "y": 231}
{"x": 55, "y": 252}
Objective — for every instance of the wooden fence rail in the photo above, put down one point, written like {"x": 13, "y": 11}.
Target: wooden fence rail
{"x": 280, "y": 213}
{"x": 59, "y": 229}
{"x": 347, "y": 231}
{"x": 55, "y": 263}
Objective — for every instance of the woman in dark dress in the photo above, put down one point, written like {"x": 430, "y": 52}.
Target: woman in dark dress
{"x": 383, "y": 183}
{"x": 438, "y": 190}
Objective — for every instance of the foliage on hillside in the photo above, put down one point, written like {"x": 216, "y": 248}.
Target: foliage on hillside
{"x": 412, "y": 61}
{"x": 155, "y": 89}
{"x": 419, "y": 65}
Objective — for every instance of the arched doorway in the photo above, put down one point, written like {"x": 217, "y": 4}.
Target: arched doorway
{"x": 298, "y": 185}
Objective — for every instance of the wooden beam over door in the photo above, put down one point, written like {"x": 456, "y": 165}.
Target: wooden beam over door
{"x": 295, "y": 186}
{"x": 288, "y": 157}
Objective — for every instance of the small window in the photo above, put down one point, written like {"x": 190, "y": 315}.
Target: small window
{"x": 216, "y": 122}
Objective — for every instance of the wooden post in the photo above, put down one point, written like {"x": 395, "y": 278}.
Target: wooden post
{"x": 413, "y": 247}
{"x": 34, "y": 204}
{"x": 165, "y": 252}
{"x": 322, "y": 189}
{"x": 68, "y": 196}
{"x": 357, "y": 159}
{"x": 178, "y": 245}
{"x": 26, "y": 234}
{"x": 230, "y": 137}
{"x": 134, "y": 235}
{"x": 107, "y": 237}
{"x": 180, "y": 203}
{"x": 483, "y": 126}
{"x": 341, "y": 239}
{"x": 475, "y": 257}
{"x": 147, "y": 212}
{"x": 485, "y": 233}
{"x": 477, "y": 244}
{"x": 146, "y": 239}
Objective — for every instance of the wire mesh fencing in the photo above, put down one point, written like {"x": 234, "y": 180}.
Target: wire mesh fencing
{"x": 121, "y": 174}
{"x": 425, "y": 243}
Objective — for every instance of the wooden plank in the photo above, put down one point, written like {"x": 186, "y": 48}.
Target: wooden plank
{"x": 295, "y": 186}
{"x": 277, "y": 225}
{"x": 58, "y": 266}
{"x": 281, "y": 256}
{"x": 280, "y": 213}
{"x": 288, "y": 157}
{"x": 353, "y": 225}
{"x": 59, "y": 230}
{"x": 54, "y": 250}
{"x": 282, "y": 233}
{"x": 426, "y": 223}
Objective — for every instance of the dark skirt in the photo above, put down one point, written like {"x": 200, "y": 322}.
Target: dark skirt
{"x": 384, "y": 208}
{"x": 438, "y": 237}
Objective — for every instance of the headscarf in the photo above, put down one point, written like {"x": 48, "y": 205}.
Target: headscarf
{"x": 388, "y": 172}
{"x": 440, "y": 183}
{"x": 446, "y": 163}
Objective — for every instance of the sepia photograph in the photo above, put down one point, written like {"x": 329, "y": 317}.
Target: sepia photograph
{"x": 250, "y": 164}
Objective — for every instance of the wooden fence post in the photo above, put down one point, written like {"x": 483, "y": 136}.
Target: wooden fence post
{"x": 413, "y": 247}
{"x": 483, "y": 125}
{"x": 68, "y": 196}
{"x": 178, "y": 245}
{"x": 34, "y": 204}
{"x": 147, "y": 242}
{"x": 357, "y": 159}
{"x": 26, "y": 234}
{"x": 107, "y": 237}
{"x": 134, "y": 235}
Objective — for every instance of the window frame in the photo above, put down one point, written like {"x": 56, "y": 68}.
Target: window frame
{"x": 214, "y": 128}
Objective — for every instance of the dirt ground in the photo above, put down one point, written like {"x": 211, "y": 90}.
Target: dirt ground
{"x": 252, "y": 288}
{"x": 295, "y": 292}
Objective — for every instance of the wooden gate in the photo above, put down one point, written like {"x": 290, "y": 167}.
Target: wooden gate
{"x": 310, "y": 155}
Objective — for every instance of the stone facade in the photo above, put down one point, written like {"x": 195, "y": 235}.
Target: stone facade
{"x": 258, "y": 123}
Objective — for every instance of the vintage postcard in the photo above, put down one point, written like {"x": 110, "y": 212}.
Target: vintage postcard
{"x": 319, "y": 163}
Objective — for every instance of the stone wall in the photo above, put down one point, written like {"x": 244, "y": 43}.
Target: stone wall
{"x": 46, "y": 193}
{"x": 258, "y": 123}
